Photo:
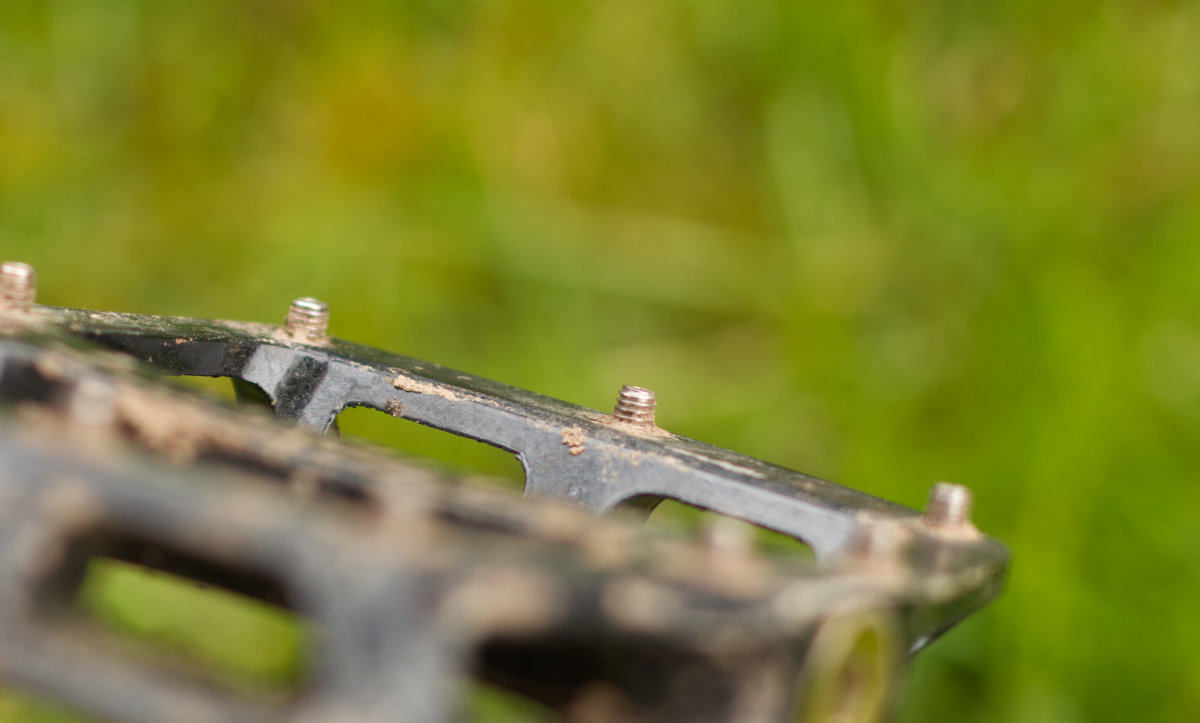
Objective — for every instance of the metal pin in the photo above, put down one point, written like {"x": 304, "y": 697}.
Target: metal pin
{"x": 93, "y": 403}
{"x": 879, "y": 544}
{"x": 18, "y": 283}
{"x": 635, "y": 405}
{"x": 949, "y": 506}
{"x": 307, "y": 319}
{"x": 728, "y": 535}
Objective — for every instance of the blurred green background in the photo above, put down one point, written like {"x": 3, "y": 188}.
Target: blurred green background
{"x": 884, "y": 243}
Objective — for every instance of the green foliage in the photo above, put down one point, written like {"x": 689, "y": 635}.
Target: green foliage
{"x": 243, "y": 644}
{"x": 882, "y": 244}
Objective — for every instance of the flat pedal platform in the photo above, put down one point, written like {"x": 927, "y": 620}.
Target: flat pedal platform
{"x": 413, "y": 584}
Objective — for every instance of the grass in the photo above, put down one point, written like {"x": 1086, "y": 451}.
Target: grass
{"x": 882, "y": 244}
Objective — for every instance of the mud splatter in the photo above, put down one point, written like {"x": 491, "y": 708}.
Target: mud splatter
{"x": 573, "y": 438}
{"x": 415, "y": 386}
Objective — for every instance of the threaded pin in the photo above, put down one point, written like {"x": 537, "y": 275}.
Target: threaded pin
{"x": 18, "y": 283}
{"x": 635, "y": 405}
{"x": 949, "y": 506}
{"x": 307, "y": 319}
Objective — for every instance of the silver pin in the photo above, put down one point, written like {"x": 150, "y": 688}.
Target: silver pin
{"x": 18, "y": 283}
{"x": 949, "y": 506}
{"x": 307, "y": 320}
{"x": 635, "y": 405}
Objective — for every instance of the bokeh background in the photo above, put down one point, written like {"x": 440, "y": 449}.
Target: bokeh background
{"x": 884, "y": 243}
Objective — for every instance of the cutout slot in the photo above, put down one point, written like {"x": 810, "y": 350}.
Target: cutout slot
{"x": 680, "y": 519}
{"x": 228, "y": 626}
{"x": 20, "y": 707}
{"x": 455, "y": 455}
